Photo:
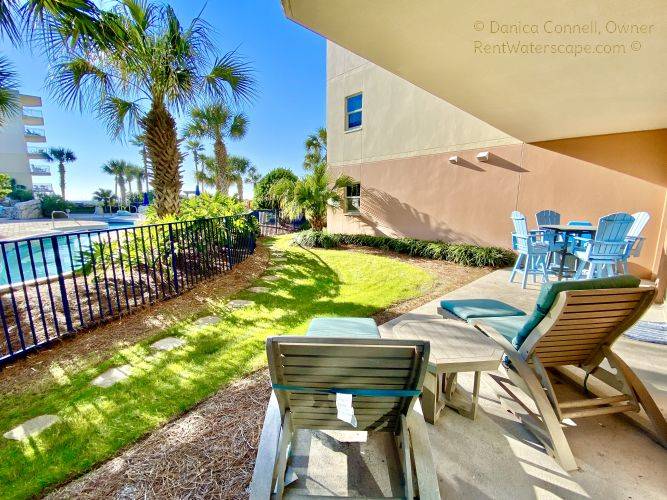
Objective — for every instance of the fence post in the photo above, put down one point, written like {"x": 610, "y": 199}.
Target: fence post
{"x": 173, "y": 257}
{"x": 61, "y": 283}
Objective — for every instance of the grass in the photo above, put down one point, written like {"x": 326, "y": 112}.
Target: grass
{"x": 97, "y": 422}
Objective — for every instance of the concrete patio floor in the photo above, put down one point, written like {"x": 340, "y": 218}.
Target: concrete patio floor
{"x": 495, "y": 456}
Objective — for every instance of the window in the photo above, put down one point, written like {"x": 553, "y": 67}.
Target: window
{"x": 353, "y": 198}
{"x": 353, "y": 106}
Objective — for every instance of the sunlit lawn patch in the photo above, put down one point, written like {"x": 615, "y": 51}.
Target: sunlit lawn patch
{"x": 96, "y": 422}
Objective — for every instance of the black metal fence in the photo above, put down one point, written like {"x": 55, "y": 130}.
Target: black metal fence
{"x": 271, "y": 223}
{"x": 56, "y": 285}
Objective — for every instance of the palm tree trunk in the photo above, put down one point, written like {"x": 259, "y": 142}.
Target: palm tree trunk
{"x": 164, "y": 157}
{"x": 239, "y": 188}
{"x": 138, "y": 179}
{"x": 220, "y": 151}
{"x": 61, "y": 171}
{"x": 121, "y": 181}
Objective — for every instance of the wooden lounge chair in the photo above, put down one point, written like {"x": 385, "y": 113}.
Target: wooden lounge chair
{"x": 571, "y": 332}
{"x": 385, "y": 378}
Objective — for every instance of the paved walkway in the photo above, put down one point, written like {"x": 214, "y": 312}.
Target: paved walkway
{"x": 495, "y": 456}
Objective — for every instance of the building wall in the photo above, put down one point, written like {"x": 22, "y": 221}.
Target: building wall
{"x": 409, "y": 188}
{"x": 13, "y": 151}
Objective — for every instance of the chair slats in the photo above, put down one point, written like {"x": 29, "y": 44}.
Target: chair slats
{"x": 334, "y": 361}
{"x": 332, "y": 350}
{"x": 342, "y": 371}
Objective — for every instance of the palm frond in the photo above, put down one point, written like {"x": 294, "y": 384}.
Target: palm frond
{"x": 120, "y": 115}
{"x": 231, "y": 77}
{"x": 9, "y": 96}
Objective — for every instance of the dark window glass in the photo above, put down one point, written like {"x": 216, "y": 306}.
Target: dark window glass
{"x": 354, "y": 103}
{"x": 354, "y": 120}
{"x": 354, "y": 190}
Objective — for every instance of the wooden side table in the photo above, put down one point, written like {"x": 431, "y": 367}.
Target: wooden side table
{"x": 455, "y": 347}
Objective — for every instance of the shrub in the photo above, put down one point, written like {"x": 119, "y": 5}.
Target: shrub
{"x": 207, "y": 206}
{"x": 54, "y": 202}
{"x": 261, "y": 198}
{"x": 316, "y": 239}
{"x": 459, "y": 253}
{"x": 5, "y": 185}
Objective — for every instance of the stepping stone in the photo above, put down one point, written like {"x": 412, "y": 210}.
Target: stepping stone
{"x": 167, "y": 344}
{"x": 258, "y": 289}
{"x": 31, "y": 427}
{"x": 239, "y": 304}
{"x": 112, "y": 375}
{"x": 271, "y": 277}
{"x": 207, "y": 320}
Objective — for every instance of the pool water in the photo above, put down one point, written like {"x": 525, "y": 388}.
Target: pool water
{"x": 35, "y": 257}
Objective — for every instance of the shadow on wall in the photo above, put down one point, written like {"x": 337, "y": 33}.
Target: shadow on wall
{"x": 386, "y": 215}
{"x": 497, "y": 161}
{"x": 639, "y": 154}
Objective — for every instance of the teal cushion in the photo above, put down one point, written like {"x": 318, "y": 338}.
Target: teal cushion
{"x": 549, "y": 292}
{"x": 480, "y": 308}
{"x": 508, "y": 326}
{"x": 364, "y": 328}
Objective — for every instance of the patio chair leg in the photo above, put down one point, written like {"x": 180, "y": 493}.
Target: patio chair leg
{"x": 643, "y": 397}
{"x": 580, "y": 270}
{"x": 405, "y": 458}
{"x": 281, "y": 462}
{"x": 545, "y": 273}
{"x": 525, "y": 272}
{"x": 516, "y": 267}
{"x": 559, "y": 445}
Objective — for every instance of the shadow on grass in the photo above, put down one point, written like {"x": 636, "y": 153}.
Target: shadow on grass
{"x": 97, "y": 422}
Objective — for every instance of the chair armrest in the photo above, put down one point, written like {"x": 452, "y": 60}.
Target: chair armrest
{"x": 580, "y": 238}
{"x": 491, "y": 332}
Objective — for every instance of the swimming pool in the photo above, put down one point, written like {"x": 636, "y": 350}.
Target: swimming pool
{"x": 35, "y": 257}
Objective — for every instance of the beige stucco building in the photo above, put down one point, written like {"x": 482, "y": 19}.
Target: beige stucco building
{"x": 22, "y": 148}
{"x": 585, "y": 136}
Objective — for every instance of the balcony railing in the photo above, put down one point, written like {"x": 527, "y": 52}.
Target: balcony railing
{"x": 42, "y": 188}
{"x": 40, "y": 170}
{"x": 32, "y": 113}
{"x": 37, "y": 151}
{"x": 36, "y": 132}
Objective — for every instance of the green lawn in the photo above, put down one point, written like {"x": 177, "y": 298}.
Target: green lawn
{"x": 97, "y": 422}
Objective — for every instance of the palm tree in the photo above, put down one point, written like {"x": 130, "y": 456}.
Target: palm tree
{"x": 9, "y": 95}
{"x": 316, "y": 149}
{"x": 104, "y": 195}
{"x": 62, "y": 156}
{"x": 212, "y": 175}
{"x": 253, "y": 176}
{"x": 310, "y": 195}
{"x": 136, "y": 64}
{"x": 136, "y": 174}
{"x": 196, "y": 148}
{"x": 217, "y": 122}
{"x": 119, "y": 169}
{"x": 139, "y": 141}
{"x": 238, "y": 168}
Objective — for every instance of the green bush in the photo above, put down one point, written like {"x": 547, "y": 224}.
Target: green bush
{"x": 261, "y": 198}
{"x": 209, "y": 206}
{"x": 5, "y": 185}
{"x": 458, "y": 253}
{"x": 54, "y": 202}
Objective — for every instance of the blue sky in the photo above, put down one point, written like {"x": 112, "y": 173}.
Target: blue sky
{"x": 290, "y": 66}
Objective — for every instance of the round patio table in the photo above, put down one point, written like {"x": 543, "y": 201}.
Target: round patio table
{"x": 567, "y": 230}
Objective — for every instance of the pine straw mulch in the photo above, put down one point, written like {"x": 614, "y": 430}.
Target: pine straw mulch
{"x": 210, "y": 451}
{"x": 87, "y": 348}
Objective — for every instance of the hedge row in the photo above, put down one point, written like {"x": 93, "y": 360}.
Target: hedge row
{"x": 459, "y": 253}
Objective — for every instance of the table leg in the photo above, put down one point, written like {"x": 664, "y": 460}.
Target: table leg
{"x": 430, "y": 393}
{"x": 475, "y": 394}
{"x": 563, "y": 253}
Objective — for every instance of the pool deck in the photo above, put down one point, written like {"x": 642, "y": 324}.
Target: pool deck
{"x": 494, "y": 456}
{"x": 17, "y": 229}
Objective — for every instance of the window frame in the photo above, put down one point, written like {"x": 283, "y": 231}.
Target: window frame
{"x": 357, "y": 110}
{"x": 349, "y": 208}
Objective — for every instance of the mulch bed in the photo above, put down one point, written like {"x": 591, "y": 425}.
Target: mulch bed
{"x": 210, "y": 451}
